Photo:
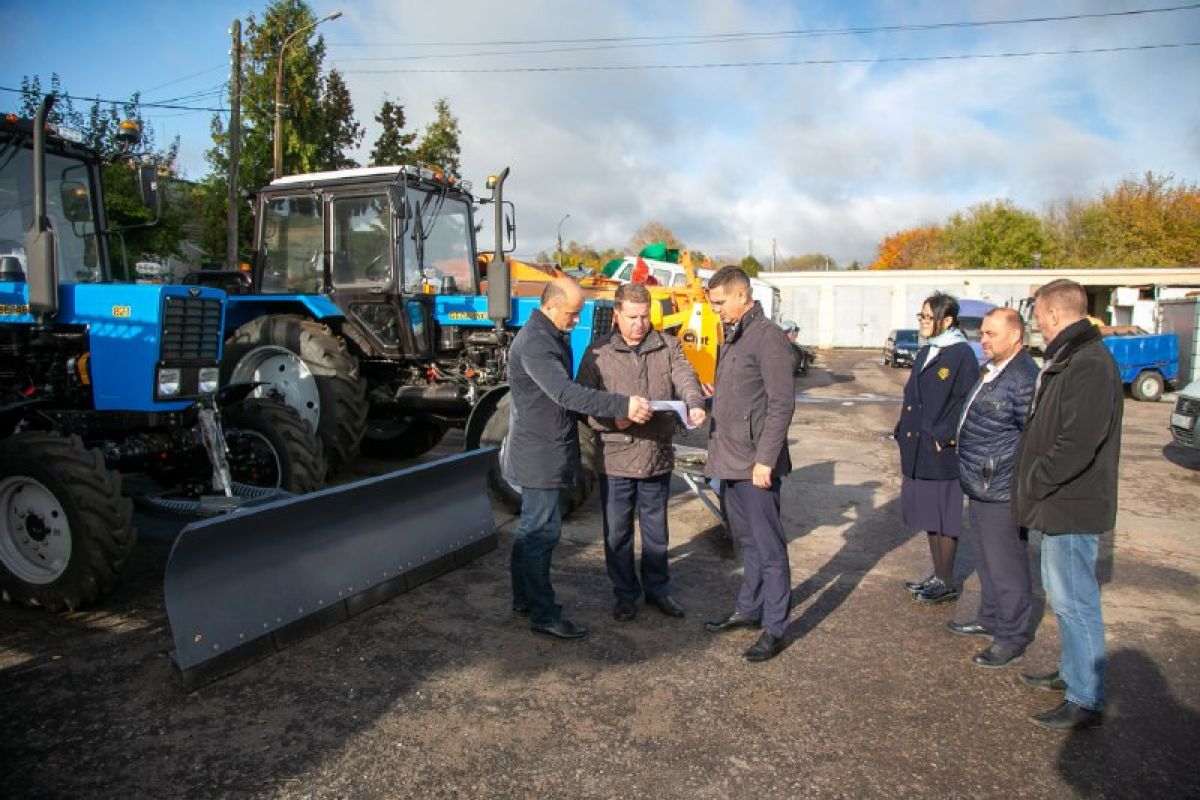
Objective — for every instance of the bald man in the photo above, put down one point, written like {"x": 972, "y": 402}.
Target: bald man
{"x": 988, "y": 434}
{"x": 541, "y": 453}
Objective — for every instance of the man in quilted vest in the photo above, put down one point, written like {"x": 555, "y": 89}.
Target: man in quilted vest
{"x": 988, "y": 434}
{"x": 636, "y": 460}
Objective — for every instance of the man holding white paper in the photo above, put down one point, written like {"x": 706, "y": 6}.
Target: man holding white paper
{"x": 636, "y": 460}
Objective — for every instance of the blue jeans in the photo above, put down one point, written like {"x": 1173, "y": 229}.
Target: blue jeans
{"x": 1069, "y": 577}
{"x": 533, "y": 546}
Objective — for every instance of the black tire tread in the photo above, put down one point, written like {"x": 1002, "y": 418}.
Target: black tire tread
{"x": 343, "y": 394}
{"x": 305, "y": 469}
{"x": 102, "y": 532}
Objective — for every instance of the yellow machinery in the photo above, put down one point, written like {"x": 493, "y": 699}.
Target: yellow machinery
{"x": 683, "y": 311}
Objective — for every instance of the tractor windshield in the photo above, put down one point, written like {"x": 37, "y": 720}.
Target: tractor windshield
{"x": 438, "y": 242}
{"x": 69, "y": 204}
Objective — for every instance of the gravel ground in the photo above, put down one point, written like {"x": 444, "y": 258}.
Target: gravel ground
{"x": 441, "y": 692}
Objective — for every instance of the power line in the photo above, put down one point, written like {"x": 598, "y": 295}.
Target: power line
{"x": 793, "y": 63}
{"x": 184, "y": 78}
{"x": 793, "y": 33}
{"x": 125, "y": 102}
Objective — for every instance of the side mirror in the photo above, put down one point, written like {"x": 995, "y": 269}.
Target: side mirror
{"x": 147, "y": 177}
{"x": 510, "y": 227}
{"x": 398, "y": 203}
{"x": 76, "y": 203}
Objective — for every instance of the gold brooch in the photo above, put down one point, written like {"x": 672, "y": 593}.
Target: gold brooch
{"x": 944, "y": 373}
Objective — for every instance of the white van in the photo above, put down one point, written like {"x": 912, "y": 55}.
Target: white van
{"x": 668, "y": 274}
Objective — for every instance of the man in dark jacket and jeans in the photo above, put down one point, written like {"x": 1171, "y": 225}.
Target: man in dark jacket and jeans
{"x": 987, "y": 446}
{"x": 748, "y": 451}
{"x": 1066, "y": 488}
{"x": 541, "y": 454}
{"x": 636, "y": 460}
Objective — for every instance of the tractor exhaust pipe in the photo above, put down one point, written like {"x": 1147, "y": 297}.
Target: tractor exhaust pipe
{"x": 499, "y": 286}
{"x": 41, "y": 266}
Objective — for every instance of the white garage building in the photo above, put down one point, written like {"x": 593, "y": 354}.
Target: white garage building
{"x": 857, "y": 309}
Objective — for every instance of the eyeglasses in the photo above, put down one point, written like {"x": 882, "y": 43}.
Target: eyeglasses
{"x": 925, "y": 317}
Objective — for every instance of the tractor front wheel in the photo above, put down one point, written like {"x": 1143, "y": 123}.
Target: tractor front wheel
{"x": 271, "y": 446}
{"x": 65, "y": 529}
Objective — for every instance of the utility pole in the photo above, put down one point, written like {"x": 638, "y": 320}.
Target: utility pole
{"x": 772, "y": 254}
{"x": 235, "y": 145}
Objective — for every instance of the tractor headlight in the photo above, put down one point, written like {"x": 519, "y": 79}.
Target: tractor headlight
{"x": 168, "y": 382}
{"x": 210, "y": 378}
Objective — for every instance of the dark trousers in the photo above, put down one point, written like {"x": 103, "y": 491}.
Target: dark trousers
{"x": 1004, "y": 573}
{"x": 767, "y": 576}
{"x": 619, "y": 498}
{"x": 533, "y": 546}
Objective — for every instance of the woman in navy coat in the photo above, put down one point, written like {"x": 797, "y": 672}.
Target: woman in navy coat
{"x": 931, "y": 497}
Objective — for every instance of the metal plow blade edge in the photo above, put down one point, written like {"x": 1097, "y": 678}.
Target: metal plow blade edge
{"x": 245, "y": 585}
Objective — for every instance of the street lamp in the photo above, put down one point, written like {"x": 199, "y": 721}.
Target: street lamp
{"x": 560, "y": 224}
{"x": 279, "y": 88}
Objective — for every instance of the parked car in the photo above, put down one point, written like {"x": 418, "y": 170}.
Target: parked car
{"x": 900, "y": 347}
{"x": 1184, "y": 417}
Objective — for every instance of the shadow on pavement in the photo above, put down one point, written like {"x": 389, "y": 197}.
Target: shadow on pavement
{"x": 1148, "y": 743}
{"x": 1180, "y": 456}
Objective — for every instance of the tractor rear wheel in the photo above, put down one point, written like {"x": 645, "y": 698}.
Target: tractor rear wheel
{"x": 65, "y": 529}
{"x": 302, "y": 363}
{"x": 271, "y": 446}
{"x": 495, "y": 434}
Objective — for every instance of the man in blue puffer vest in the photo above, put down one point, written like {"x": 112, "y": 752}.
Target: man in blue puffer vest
{"x": 988, "y": 434}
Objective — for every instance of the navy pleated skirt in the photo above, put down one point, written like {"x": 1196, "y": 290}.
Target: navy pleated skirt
{"x": 932, "y": 505}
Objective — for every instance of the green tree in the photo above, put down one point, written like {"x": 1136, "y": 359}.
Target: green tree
{"x": 134, "y": 231}
{"x": 751, "y": 266}
{"x": 996, "y": 235}
{"x": 439, "y": 144}
{"x": 394, "y": 146}
{"x": 318, "y": 120}
{"x": 809, "y": 261}
{"x": 341, "y": 130}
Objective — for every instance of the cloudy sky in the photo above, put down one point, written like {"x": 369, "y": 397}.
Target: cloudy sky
{"x": 884, "y": 133}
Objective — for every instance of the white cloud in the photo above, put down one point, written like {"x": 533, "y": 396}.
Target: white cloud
{"x": 828, "y": 158}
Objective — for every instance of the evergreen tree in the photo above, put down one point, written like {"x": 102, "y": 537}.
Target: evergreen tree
{"x": 394, "y": 146}
{"x": 439, "y": 145}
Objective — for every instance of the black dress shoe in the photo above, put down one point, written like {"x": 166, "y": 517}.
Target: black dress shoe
{"x": 1047, "y": 682}
{"x": 915, "y": 586}
{"x": 624, "y": 611}
{"x": 1068, "y": 717}
{"x": 969, "y": 629}
{"x": 766, "y": 648}
{"x": 938, "y": 591}
{"x": 563, "y": 629}
{"x": 521, "y": 611}
{"x": 996, "y": 657}
{"x": 667, "y": 605}
{"x": 730, "y": 623}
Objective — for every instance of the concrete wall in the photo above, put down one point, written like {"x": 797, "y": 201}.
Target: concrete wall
{"x": 857, "y": 309}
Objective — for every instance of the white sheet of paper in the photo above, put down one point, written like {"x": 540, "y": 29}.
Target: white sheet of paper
{"x": 678, "y": 406}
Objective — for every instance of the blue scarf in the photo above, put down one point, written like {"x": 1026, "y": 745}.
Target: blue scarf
{"x": 946, "y": 338}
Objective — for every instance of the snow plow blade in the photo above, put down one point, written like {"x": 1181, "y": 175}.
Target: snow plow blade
{"x": 247, "y": 584}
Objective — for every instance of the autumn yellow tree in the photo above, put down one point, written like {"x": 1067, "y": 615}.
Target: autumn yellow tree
{"x": 652, "y": 232}
{"x": 915, "y": 248}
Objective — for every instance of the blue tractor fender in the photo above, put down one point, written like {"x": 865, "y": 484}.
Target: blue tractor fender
{"x": 244, "y": 308}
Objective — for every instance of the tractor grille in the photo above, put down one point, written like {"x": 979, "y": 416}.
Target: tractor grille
{"x": 602, "y": 321}
{"x": 191, "y": 329}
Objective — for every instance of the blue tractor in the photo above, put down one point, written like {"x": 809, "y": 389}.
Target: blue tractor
{"x": 366, "y": 311}
{"x": 108, "y": 389}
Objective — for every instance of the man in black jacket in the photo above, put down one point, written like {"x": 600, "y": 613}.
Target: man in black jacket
{"x": 1066, "y": 488}
{"x": 748, "y": 452}
{"x": 541, "y": 454}
{"x": 987, "y": 446}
